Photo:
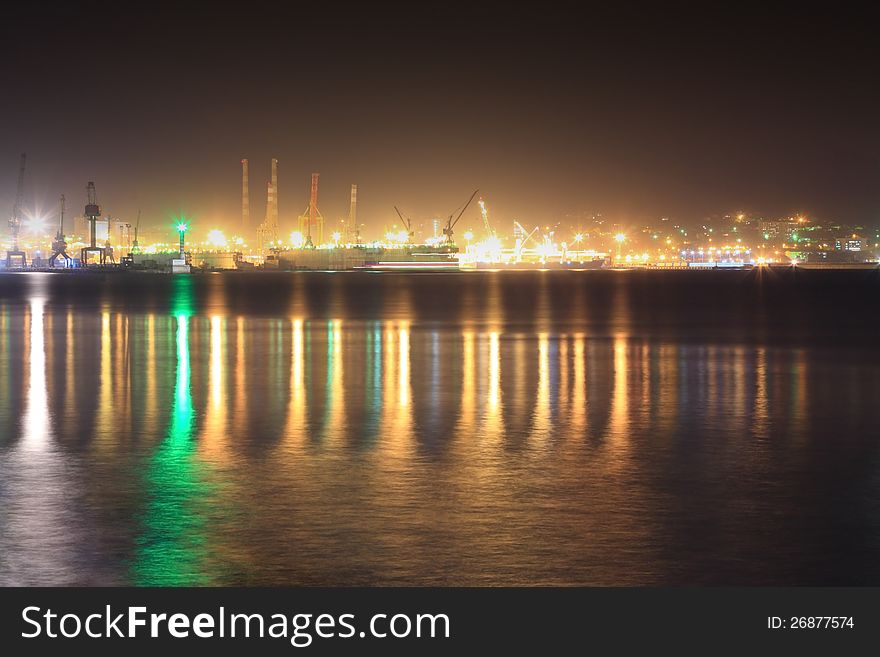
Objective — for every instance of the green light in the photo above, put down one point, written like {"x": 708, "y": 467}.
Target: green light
{"x": 182, "y": 299}
{"x": 182, "y": 227}
{"x": 373, "y": 387}
{"x": 171, "y": 547}
{"x": 331, "y": 384}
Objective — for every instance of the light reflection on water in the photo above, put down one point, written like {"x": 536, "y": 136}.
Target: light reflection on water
{"x": 518, "y": 431}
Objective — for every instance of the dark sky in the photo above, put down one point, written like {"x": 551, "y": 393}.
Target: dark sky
{"x": 550, "y": 109}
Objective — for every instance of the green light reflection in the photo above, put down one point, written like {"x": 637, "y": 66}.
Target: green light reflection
{"x": 172, "y": 549}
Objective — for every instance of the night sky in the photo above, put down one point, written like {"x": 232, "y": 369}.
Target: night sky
{"x": 553, "y": 110}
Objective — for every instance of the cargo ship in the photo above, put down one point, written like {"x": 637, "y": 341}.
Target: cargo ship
{"x": 532, "y": 265}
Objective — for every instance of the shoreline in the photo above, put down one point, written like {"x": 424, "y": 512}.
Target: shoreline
{"x": 85, "y": 271}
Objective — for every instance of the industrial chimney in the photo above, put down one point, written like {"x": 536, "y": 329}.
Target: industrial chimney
{"x": 273, "y": 211}
{"x": 313, "y": 209}
{"x": 245, "y": 200}
{"x": 352, "y": 217}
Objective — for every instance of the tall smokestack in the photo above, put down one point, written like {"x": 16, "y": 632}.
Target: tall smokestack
{"x": 245, "y": 200}
{"x": 352, "y": 215}
{"x": 273, "y": 216}
{"x": 270, "y": 200}
{"x": 313, "y": 206}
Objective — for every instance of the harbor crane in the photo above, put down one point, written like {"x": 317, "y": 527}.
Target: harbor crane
{"x": 407, "y": 222}
{"x": 135, "y": 246}
{"x": 15, "y": 257}
{"x": 92, "y": 213}
{"x": 522, "y": 241}
{"x": 485, "y": 212}
{"x": 528, "y": 234}
{"x": 59, "y": 244}
{"x": 450, "y": 224}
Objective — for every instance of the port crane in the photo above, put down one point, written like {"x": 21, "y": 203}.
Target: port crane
{"x": 135, "y": 247}
{"x": 407, "y": 222}
{"x": 485, "y": 212}
{"x": 15, "y": 257}
{"x": 522, "y": 241}
{"x": 92, "y": 213}
{"x": 59, "y": 244}
{"x": 450, "y": 224}
{"x": 528, "y": 234}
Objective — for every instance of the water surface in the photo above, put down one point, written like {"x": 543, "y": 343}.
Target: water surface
{"x": 610, "y": 428}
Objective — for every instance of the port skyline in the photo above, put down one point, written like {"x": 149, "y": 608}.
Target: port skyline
{"x": 733, "y": 238}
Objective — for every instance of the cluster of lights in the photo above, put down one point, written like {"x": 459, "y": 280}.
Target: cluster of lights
{"x": 297, "y": 239}
{"x": 545, "y": 250}
{"x": 217, "y": 239}
{"x": 490, "y": 249}
{"x": 397, "y": 237}
{"x": 487, "y": 250}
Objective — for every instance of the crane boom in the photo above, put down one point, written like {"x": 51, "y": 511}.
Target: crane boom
{"x": 61, "y": 220}
{"x": 464, "y": 208}
{"x": 529, "y": 236}
{"x": 135, "y": 247}
{"x": 450, "y": 224}
{"x": 485, "y": 213}
{"x": 407, "y": 222}
{"x": 403, "y": 218}
{"x": 15, "y": 219}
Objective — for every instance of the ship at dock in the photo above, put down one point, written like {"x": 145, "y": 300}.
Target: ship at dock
{"x": 420, "y": 258}
{"x": 539, "y": 265}
{"x": 410, "y": 258}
